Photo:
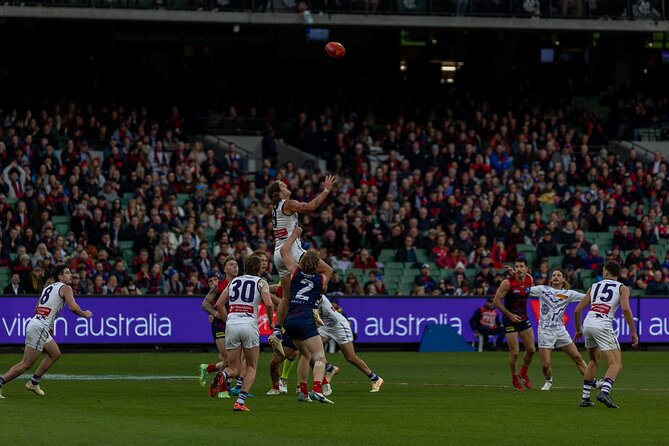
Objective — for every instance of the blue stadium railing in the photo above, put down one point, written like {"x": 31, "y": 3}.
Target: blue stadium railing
{"x": 571, "y": 9}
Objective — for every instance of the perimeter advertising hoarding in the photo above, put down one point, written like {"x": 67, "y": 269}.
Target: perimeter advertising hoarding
{"x": 180, "y": 320}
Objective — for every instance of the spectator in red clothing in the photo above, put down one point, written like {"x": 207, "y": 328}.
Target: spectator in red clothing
{"x": 364, "y": 260}
{"x": 141, "y": 259}
{"x": 83, "y": 260}
{"x": 593, "y": 260}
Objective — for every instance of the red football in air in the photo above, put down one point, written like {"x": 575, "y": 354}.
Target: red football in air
{"x": 335, "y": 49}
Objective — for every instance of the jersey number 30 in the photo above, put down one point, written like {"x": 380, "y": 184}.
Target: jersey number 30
{"x": 242, "y": 289}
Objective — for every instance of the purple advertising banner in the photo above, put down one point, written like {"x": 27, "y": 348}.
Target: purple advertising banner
{"x": 180, "y": 320}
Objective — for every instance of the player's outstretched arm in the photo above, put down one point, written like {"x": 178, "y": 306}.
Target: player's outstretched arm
{"x": 292, "y": 206}
{"x": 72, "y": 304}
{"x": 627, "y": 313}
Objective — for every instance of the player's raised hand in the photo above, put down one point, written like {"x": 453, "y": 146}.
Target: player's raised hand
{"x": 330, "y": 181}
{"x": 297, "y": 231}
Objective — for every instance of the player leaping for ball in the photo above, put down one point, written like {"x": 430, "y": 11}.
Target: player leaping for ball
{"x": 285, "y": 218}
{"x": 335, "y": 326}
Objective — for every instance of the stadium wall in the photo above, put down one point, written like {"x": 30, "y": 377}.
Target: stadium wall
{"x": 376, "y": 320}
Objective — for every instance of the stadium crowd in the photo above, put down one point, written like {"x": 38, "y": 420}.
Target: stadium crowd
{"x": 134, "y": 206}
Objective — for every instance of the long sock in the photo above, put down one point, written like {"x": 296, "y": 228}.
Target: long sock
{"x": 35, "y": 380}
{"x": 211, "y": 368}
{"x": 329, "y": 367}
{"x": 606, "y": 386}
{"x": 587, "y": 387}
{"x": 325, "y": 381}
{"x": 240, "y": 381}
{"x": 549, "y": 379}
{"x": 241, "y": 399}
{"x": 373, "y": 377}
{"x": 275, "y": 386}
{"x": 303, "y": 388}
{"x": 523, "y": 371}
{"x": 2, "y": 381}
{"x": 318, "y": 387}
{"x": 286, "y": 368}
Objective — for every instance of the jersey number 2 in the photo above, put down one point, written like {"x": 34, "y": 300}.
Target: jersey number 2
{"x": 308, "y": 286}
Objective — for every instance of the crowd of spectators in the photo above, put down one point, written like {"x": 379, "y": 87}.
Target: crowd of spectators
{"x": 465, "y": 186}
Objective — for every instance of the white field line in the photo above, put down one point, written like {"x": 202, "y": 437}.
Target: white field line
{"x": 65, "y": 377}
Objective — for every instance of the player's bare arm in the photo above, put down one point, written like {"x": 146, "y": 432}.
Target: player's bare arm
{"x": 497, "y": 301}
{"x": 292, "y": 206}
{"x": 72, "y": 304}
{"x": 209, "y": 300}
{"x": 267, "y": 300}
{"x": 627, "y": 313}
{"x": 220, "y": 304}
{"x": 578, "y": 315}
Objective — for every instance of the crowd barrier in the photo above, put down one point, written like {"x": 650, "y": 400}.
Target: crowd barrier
{"x": 375, "y": 320}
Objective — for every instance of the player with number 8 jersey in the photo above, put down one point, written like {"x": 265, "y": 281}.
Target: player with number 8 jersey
{"x": 53, "y": 298}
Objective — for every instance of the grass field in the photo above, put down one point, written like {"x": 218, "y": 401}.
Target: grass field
{"x": 428, "y": 399}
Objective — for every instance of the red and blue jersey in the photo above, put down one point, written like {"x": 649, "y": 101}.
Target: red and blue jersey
{"x": 305, "y": 293}
{"x": 515, "y": 299}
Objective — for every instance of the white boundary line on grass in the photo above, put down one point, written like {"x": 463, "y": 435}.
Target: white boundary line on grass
{"x": 66, "y": 377}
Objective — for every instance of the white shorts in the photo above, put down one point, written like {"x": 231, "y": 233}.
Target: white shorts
{"x": 296, "y": 252}
{"x": 340, "y": 333}
{"x": 554, "y": 337}
{"x": 602, "y": 337}
{"x": 241, "y": 335}
{"x": 37, "y": 334}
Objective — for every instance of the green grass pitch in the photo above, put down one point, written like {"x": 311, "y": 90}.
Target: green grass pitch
{"x": 428, "y": 399}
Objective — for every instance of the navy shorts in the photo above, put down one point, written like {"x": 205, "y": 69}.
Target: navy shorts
{"x": 510, "y": 327}
{"x": 301, "y": 328}
{"x": 286, "y": 342}
{"x": 218, "y": 329}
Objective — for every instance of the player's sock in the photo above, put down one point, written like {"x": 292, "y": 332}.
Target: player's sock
{"x": 373, "y": 377}
{"x": 275, "y": 386}
{"x": 211, "y": 368}
{"x": 606, "y": 386}
{"x": 587, "y": 387}
{"x": 325, "y": 381}
{"x": 241, "y": 399}
{"x": 240, "y": 381}
{"x": 35, "y": 380}
{"x": 523, "y": 371}
{"x": 303, "y": 388}
{"x": 549, "y": 379}
{"x": 2, "y": 381}
{"x": 286, "y": 368}
{"x": 329, "y": 367}
{"x": 318, "y": 387}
